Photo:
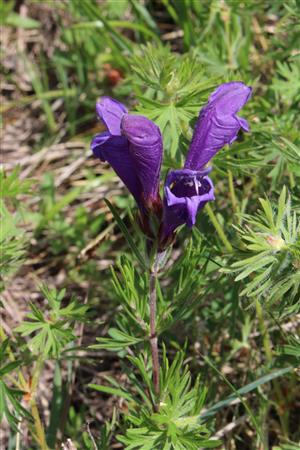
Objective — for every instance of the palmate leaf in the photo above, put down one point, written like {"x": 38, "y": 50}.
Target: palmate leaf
{"x": 143, "y": 439}
{"x": 279, "y": 142}
{"x": 10, "y": 406}
{"x": 49, "y": 339}
{"x": 11, "y": 185}
{"x": 292, "y": 350}
{"x": 272, "y": 258}
{"x": 173, "y": 122}
{"x": 177, "y": 424}
{"x": 51, "y": 331}
{"x": 286, "y": 82}
{"x": 12, "y": 241}
{"x": 177, "y": 77}
{"x": 174, "y": 89}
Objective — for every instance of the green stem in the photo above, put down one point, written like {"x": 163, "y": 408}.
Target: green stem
{"x": 218, "y": 228}
{"x": 281, "y": 409}
{"x": 18, "y": 436}
{"x": 39, "y": 429}
{"x": 232, "y": 192}
{"x": 228, "y": 40}
{"x": 40, "y": 433}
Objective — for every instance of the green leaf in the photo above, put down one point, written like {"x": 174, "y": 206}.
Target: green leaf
{"x": 245, "y": 390}
{"x": 256, "y": 266}
{"x": 238, "y": 395}
{"x": 59, "y": 205}
{"x": 9, "y": 368}
{"x": 11, "y": 185}
{"x": 16, "y": 20}
{"x": 126, "y": 233}
{"x": 10, "y": 406}
{"x": 112, "y": 391}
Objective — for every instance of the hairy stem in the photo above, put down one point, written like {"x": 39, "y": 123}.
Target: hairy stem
{"x": 39, "y": 429}
{"x": 153, "y": 335}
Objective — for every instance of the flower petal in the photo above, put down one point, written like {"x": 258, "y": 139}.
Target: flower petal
{"x": 218, "y": 124}
{"x": 111, "y": 111}
{"x": 115, "y": 150}
{"x": 146, "y": 148}
{"x": 186, "y": 192}
{"x": 97, "y": 143}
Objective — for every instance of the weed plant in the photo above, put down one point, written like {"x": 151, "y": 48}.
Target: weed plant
{"x": 76, "y": 368}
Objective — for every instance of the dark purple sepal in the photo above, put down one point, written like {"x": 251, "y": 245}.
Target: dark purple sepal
{"x": 218, "y": 123}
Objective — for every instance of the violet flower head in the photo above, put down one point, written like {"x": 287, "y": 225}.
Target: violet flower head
{"x": 132, "y": 145}
{"x": 189, "y": 189}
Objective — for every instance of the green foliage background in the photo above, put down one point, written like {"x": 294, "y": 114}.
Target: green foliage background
{"x": 228, "y": 299}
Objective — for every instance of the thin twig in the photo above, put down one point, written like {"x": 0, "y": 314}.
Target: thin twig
{"x": 230, "y": 426}
{"x": 91, "y": 435}
{"x": 18, "y": 437}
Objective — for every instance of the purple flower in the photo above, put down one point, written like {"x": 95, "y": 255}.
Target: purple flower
{"x": 132, "y": 145}
{"x": 186, "y": 192}
{"x": 189, "y": 189}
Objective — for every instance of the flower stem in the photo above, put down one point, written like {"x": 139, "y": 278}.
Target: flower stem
{"x": 153, "y": 335}
{"x": 218, "y": 228}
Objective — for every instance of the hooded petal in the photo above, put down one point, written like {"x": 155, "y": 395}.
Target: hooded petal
{"x": 97, "y": 144}
{"x": 115, "y": 150}
{"x": 218, "y": 123}
{"x": 145, "y": 147}
{"x": 111, "y": 111}
{"x": 186, "y": 192}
